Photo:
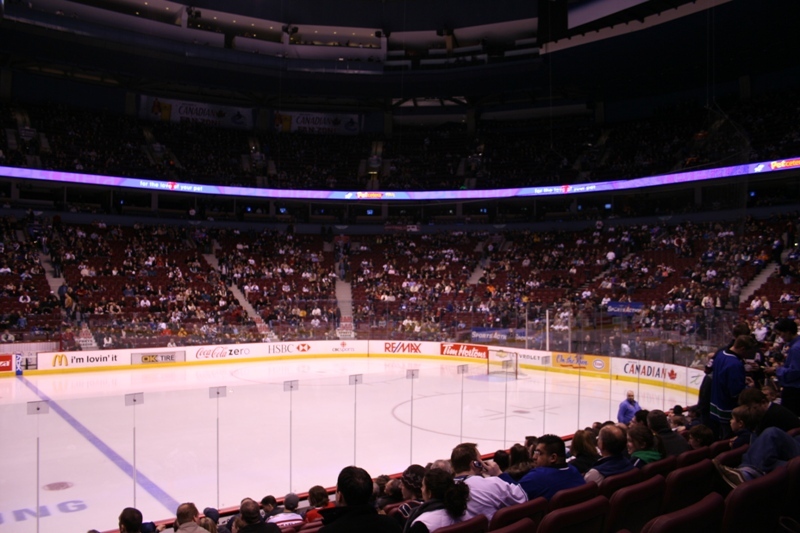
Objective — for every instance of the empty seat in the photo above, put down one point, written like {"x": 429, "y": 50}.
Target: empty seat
{"x": 704, "y": 516}
{"x": 478, "y": 524}
{"x": 579, "y": 518}
{"x": 525, "y": 525}
{"x": 663, "y": 467}
{"x": 732, "y": 457}
{"x": 633, "y": 506}
{"x": 534, "y": 510}
{"x": 567, "y": 497}
{"x": 755, "y": 505}
{"x": 687, "y": 485}
{"x": 792, "y": 496}
{"x": 613, "y": 483}
{"x": 719, "y": 447}
{"x": 691, "y": 457}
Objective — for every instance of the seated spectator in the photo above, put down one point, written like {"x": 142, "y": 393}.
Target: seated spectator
{"x": 770, "y": 450}
{"x": 318, "y": 500}
{"x": 130, "y": 520}
{"x": 249, "y": 519}
{"x": 213, "y": 515}
{"x": 552, "y": 473}
{"x": 208, "y": 524}
{"x": 487, "y": 494}
{"x": 411, "y": 485}
{"x": 677, "y": 423}
{"x": 269, "y": 506}
{"x": 444, "y": 505}
{"x": 187, "y": 518}
{"x": 353, "y": 512}
{"x": 289, "y": 517}
{"x": 671, "y": 441}
{"x": 768, "y": 413}
{"x": 700, "y": 436}
{"x": 640, "y": 418}
{"x": 519, "y": 464}
{"x": 642, "y": 446}
{"x": 584, "y": 450}
{"x": 612, "y": 443}
{"x": 386, "y": 494}
{"x": 743, "y": 424}
{"x": 502, "y": 460}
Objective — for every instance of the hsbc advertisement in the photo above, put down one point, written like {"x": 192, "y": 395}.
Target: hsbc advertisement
{"x": 276, "y": 349}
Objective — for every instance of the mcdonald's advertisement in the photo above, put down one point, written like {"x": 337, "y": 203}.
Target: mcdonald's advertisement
{"x": 82, "y": 360}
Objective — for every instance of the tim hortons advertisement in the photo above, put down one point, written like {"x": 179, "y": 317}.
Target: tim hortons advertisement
{"x": 82, "y": 360}
{"x": 469, "y": 351}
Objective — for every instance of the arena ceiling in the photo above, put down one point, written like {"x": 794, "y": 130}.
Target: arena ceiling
{"x": 624, "y": 55}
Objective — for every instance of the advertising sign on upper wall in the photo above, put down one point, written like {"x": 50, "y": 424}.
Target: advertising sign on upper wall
{"x": 317, "y": 123}
{"x": 168, "y": 110}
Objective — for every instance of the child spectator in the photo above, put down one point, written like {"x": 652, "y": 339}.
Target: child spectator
{"x": 743, "y": 424}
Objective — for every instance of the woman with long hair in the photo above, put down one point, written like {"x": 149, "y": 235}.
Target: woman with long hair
{"x": 519, "y": 464}
{"x": 584, "y": 450}
{"x": 444, "y": 505}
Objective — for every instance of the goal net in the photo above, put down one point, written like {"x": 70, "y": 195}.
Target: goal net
{"x": 503, "y": 362}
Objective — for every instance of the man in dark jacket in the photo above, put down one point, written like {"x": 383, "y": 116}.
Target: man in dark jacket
{"x": 769, "y": 414}
{"x": 353, "y": 512}
{"x": 673, "y": 443}
{"x": 612, "y": 444}
{"x": 250, "y": 513}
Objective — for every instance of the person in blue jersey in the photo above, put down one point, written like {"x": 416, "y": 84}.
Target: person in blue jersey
{"x": 552, "y": 473}
{"x": 729, "y": 380}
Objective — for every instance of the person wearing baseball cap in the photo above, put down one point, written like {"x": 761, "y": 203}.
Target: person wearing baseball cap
{"x": 289, "y": 516}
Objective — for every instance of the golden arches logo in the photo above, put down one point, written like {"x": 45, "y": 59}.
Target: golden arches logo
{"x": 60, "y": 359}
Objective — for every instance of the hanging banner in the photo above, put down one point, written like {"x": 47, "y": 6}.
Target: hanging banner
{"x": 167, "y": 110}
{"x": 624, "y": 308}
{"x": 316, "y": 123}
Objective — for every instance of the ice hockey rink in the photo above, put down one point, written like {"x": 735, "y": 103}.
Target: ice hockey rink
{"x": 83, "y": 446}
